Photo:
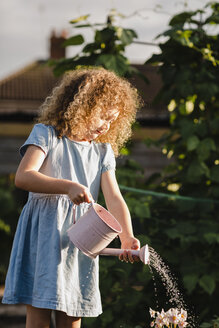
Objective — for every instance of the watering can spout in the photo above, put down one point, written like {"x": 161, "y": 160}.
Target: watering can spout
{"x": 143, "y": 253}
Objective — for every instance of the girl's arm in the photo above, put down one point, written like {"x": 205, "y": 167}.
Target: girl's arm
{"x": 117, "y": 206}
{"x": 29, "y": 178}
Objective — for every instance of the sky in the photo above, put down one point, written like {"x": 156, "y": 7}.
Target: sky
{"x": 26, "y": 25}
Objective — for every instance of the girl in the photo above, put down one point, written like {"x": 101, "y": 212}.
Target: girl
{"x": 67, "y": 157}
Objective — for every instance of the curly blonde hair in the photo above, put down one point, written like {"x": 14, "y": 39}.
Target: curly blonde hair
{"x": 83, "y": 95}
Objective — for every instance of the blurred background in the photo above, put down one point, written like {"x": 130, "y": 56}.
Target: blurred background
{"x": 26, "y": 25}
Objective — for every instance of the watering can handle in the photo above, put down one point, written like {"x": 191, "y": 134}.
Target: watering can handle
{"x": 118, "y": 251}
{"x": 74, "y": 210}
{"x": 143, "y": 253}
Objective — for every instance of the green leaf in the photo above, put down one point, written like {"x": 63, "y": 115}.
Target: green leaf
{"x": 79, "y": 19}
{"x": 90, "y": 48}
{"x": 5, "y": 227}
{"x": 67, "y": 64}
{"x": 181, "y": 18}
{"x": 187, "y": 128}
{"x": 116, "y": 63}
{"x": 74, "y": 41}
{"x": 124, "y": 151}
{"x": 207, "y": 282}
{"x": 173, "y": 233}
{"x": 206, "y": 325}
{"x": 62, "y": 65}
{"x": 215, "y": 173}
{"x": 212, "y": 237}
{"x": 84, "y": 25}
{"x": 204, "y": 148}
{"x": 214, "y": 126}
{"x": 192, "y": 143}
{"x": 125, "y": 35}
{"x": 196, "y": 170}
{"x": 201, "y": 129}
{"x": 213, "y": 19}
{"x": 106, "y": 35}
{"x": 215, "y": 191}
{"x": 94, "y": 24}
{"x": 209, "y": 142}
{"x": 142, "y": 210}
{"x": 190, "y": 281}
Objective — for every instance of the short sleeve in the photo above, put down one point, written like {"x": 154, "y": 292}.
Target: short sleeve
{"x": 108, "y": 162}
{"x": 40, "y": 136}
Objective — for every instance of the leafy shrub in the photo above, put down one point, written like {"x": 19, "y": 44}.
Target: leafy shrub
{"x": 11, "y": 202}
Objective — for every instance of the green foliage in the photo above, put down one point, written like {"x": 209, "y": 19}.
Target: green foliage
{"x": 189, "y": 66}
{"x": 106, "y": 50}
{"x": 213, "y": 324}
{"x": 11, "y": 201}
{"x": 186, "y": 235}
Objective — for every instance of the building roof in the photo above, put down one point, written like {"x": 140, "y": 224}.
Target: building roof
{"x": 22, "y": 93}
{"x": 33, "y": 82}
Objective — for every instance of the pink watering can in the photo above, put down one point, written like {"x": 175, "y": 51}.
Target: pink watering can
{"x": 94, "y": 231}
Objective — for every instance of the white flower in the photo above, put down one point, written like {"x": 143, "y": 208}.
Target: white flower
{"x": 159, "y": 318}
{"x": 164, "y": 318}
{"x": 159, "y": 321}
{"x": 173, "y": 316}
{"x": 159, "y": 324}
{"x": 166, "y": 321}
{"x": 152, "y": 313}
{"x": 182, "y": 324}
{"x": 183, "y": 315}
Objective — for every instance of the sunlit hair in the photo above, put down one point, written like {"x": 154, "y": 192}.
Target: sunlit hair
{"x": 85, "y": 94}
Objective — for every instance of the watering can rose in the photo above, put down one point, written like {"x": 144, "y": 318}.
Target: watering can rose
{"x": 173, "y": 318}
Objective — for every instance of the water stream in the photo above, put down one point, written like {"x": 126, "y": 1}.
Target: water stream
{"x": 175, "y": 298}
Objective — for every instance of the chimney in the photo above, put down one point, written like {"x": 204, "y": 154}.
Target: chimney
{"x": 57, "y": 51}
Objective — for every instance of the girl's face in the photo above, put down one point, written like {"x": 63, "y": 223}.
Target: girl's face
{"x": 101, "y": 125}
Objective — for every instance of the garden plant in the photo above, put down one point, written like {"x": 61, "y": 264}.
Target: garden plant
{"x": 107, "y": 48}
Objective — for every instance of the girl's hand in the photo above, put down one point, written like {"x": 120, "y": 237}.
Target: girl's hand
{"x": 129, "y": 243}
{"x": 78, "y": 194}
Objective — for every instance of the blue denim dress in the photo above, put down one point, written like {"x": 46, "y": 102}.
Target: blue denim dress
{"x": 46, "y": 270}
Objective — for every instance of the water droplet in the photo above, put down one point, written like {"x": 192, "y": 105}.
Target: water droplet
{"x": 170, "y": 284}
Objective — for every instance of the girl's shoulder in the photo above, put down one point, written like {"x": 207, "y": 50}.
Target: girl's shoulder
{"x": 43, "y": 128}
{"x": 45, "y": 131}
{"x": 107, "y": 157}
{"x": 104, "y": 146}
{"x": 42, "y": 136}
